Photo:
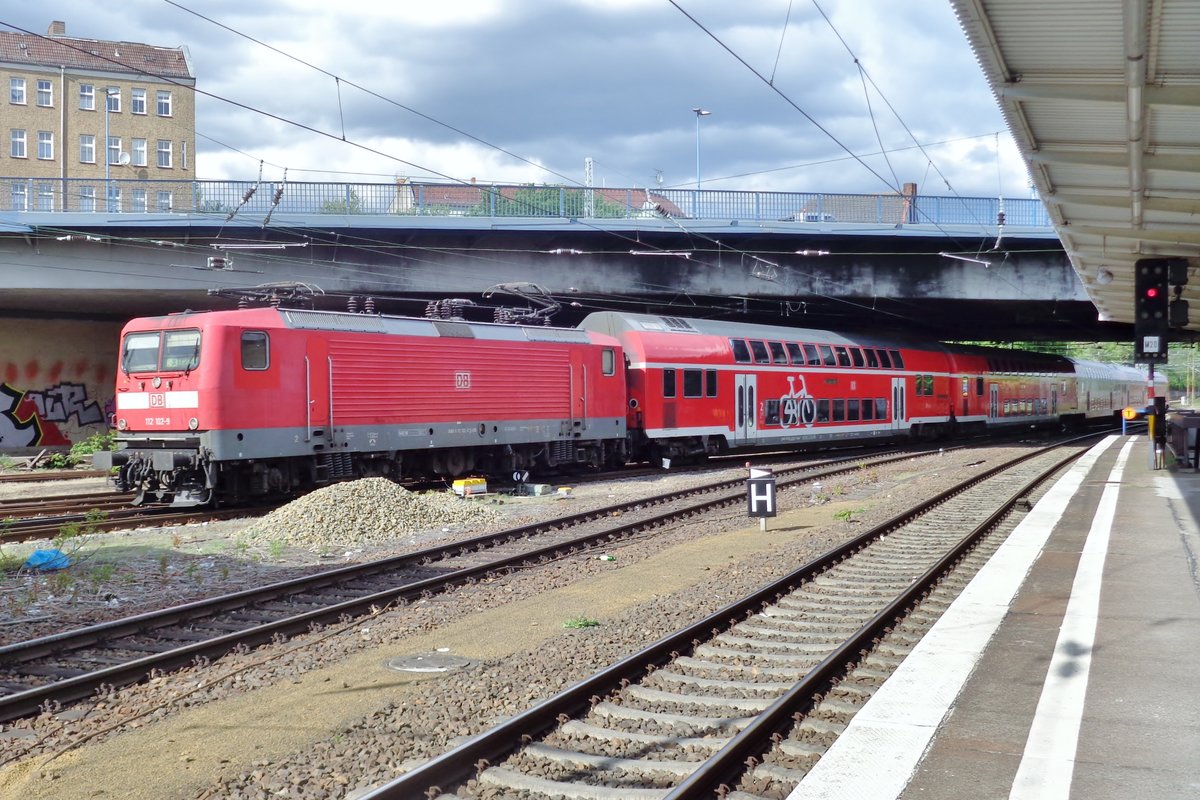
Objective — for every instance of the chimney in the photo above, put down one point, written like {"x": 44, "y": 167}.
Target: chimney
{"x": 910, "y": 190}
{"x": 57, "y": 28}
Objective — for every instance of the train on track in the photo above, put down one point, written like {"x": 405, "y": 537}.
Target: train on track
{"x": 226, "y": 407}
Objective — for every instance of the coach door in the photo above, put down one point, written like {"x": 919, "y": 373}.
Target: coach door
{"x": 745, "y": 409}
{"x": 899, "y": 409}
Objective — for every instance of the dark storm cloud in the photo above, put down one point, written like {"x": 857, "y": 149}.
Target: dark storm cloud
{"x": 555, "y": 83}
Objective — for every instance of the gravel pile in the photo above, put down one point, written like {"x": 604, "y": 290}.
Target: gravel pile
{"x": 364, "y": 512}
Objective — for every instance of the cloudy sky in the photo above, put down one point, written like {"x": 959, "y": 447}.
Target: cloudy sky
{"x": 527, "y": 90}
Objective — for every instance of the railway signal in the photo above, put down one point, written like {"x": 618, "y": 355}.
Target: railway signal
{"x": 1151, "y": 308}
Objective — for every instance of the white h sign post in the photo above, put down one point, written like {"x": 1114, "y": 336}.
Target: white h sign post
{"x": 760, "y": 495}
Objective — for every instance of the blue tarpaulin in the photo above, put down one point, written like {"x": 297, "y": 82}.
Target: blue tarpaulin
{"x": 47, "y": 560}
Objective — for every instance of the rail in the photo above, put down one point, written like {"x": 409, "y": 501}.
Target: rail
{"x": 476, "y": 200}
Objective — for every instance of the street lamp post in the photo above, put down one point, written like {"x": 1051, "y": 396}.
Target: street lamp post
{"x": 699, "y": 112}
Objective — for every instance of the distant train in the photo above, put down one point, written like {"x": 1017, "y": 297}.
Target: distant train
{"x": 228, "y": 406}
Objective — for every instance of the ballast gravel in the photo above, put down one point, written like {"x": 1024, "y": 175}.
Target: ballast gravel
{"x": 369, "y": 511}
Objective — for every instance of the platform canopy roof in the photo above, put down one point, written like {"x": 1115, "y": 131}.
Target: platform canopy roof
{"x": 1103, "y": 98}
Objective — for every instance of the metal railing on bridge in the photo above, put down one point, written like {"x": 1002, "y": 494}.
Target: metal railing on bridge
{"x": 425, "y": 199}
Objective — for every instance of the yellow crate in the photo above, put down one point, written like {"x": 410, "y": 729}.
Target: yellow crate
{"x": 468, "y": 486}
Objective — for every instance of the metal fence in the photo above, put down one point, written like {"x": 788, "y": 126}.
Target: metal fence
{"x": 409, "y": 198}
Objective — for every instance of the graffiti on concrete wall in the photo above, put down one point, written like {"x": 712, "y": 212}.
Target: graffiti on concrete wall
{"x": 22, "y": 423}
{"x": 60, "y": 403}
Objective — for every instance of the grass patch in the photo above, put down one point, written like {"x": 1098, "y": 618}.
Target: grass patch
{"x": 581, "y": 622}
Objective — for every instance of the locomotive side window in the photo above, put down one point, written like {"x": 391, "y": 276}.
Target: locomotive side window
{"x": 256, "y": 350}
{"x": 693, "y": 383}
{"x": 760, "y": 352}
{"x": 710, "y": 383}
{"x": 741, "y": 353}
{"x": 885, "y": 360}
{"x": 897, "y": 359}
{"x": 181, "y": 350}
{"x": 140, "y": 353}
{"x": 810, "y": 353}
{"x": 668, "y": 383}
{"x": 777, "y": 353}
{"x": 608, "y": 362}
{"x": 795, "y": 353}
{"x": 827, "y": 357}
{"x": 857, "y": 356}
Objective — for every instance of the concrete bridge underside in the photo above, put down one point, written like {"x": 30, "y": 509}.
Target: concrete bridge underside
{"x": 845, "y": 276}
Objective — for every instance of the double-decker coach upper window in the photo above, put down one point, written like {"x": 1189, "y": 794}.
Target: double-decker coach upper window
{"x": 181, "y": 350}
{"x": 827, "y": 357}
{"x": 843, "y": 356}
{"x": 760, "y": 352}
{"x": 810, "y": 353}
{"x": 885, "y": 360}
{"x": 795, "y": 353}
{"x": 140, "y": 353}
{"x": 872, "y": 360}
{"x": 256, "y": 350}
{"x": 897, "y": 359}
{"x": 777, "y": 353}
{"x": 741, "y": 353}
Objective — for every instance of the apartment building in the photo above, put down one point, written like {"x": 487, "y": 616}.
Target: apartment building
{"x": 95, "y": 126}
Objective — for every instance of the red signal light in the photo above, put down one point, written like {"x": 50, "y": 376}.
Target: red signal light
{"x": 1152, "y": 291}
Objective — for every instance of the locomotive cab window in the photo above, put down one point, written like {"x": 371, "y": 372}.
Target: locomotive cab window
{"x": 608, "y": 362}
{"x": 140, "y": 353}
{"x": 760, "y": 352}
{"x": 741, "y": 353}
{"x": 256, "y": 350}
{"x": 181, "y": 351}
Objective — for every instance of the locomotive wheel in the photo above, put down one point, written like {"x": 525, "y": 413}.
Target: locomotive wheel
{"x": 455, "y": 462}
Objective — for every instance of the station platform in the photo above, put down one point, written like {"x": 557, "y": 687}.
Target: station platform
{"x": 1070, "y": 666}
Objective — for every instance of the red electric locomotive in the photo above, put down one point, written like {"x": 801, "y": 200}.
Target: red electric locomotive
{"x": 225, "y": 406}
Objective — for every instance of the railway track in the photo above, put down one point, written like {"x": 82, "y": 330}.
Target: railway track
{"x": 69, "y": 666}
{"x": 26, "y": 520}
{"x": 742, "y": 703}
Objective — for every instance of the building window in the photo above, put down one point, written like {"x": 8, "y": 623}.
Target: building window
{"x": 45, "y": 197}
{"x": 114, "y": 150}
{"x": 137, "y": 101}
{"x": 45, "y": 94}
{"x": 20, "y": 197}
{"x": 16, "y": 91}
{"x": 139, "y": 200}
{"x": 183, "y": 155}
{"x": 164, "y": 153}
{"x": 166, "y": 201}
{"x": 87, "y": 97}
{"x": 113, "y": 97}
{"x": 114, "y": 198}
{"x": 164, "y": 104}
{"x": 16, "y": 147}
{"x": 87, "y": 198}
{"x": 139, "y": 152}
{"x": 87, "y": 148}
{"x": 46, "y": 145}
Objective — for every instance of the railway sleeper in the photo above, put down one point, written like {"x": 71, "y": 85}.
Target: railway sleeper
{"x": 586, "y": 730}
{"x": 753, "y": 705}
{"x": 510, "y": 779}
{"x": 695, "y": 723}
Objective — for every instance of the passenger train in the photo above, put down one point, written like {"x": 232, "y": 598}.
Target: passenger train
{"x": 225, "y": 407}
